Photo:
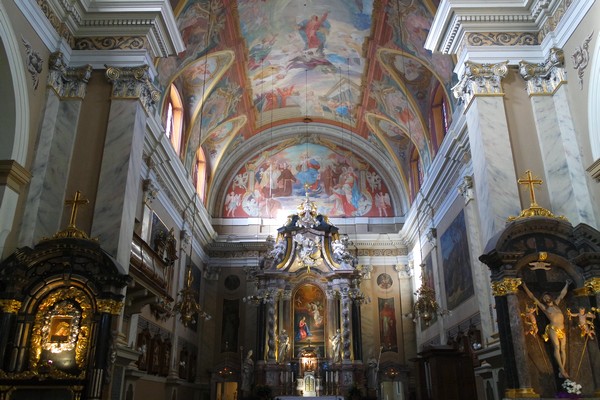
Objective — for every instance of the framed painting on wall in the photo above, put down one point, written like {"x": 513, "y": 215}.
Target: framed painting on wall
{"x": 458, "y": 277}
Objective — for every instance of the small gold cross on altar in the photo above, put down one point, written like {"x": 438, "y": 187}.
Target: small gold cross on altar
{"x": 530, "y": 181}
{"x": 75, "y": 203}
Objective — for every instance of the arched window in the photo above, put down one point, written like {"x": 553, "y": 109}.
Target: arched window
{"x": 174, "y": 118}
{"x": 199, "y": 174}
{"x": 440, "y": 117}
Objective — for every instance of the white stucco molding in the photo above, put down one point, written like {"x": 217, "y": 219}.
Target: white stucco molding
{"x": 456, "y": 19}
{"x": 594, "y": 109}
{"x": 152, "y": 19}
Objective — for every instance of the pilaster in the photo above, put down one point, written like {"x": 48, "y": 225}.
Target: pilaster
{"x": 481, "y": 91}
{"x": 563, "y": 164}
{"x": 66, "y": 89}
{"x": 133, "y": 98}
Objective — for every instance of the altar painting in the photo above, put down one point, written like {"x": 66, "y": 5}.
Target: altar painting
{"x": 309, "y": 319}
{"x": 458, "y": 278}
{"x": 387, "y": 324}
{"x": 273, "y": 183}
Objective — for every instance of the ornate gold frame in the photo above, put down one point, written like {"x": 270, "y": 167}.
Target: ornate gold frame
{"x": 56, "y": 305}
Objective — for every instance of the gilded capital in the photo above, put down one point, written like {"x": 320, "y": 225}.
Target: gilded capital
{"x": 480, "y": 80}
{"x": 67, "y": 82}
{"x": 10, "y": 306}
{"x": 505, "y": 286}
{"x": 133, "y": 83}
{"x": 109, "y": 306}
{"x": 593, "y": 285}
{"x": 546, "y": 77}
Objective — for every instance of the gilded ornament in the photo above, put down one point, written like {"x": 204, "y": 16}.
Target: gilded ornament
{"x": 66, "y": 313}
{"x": 505, "y": 286}
{"x": 10, "y": 306}
{"x": 534, "y": 209}
{"x": 593, "y": 285}
{"x": 109, "y": 306}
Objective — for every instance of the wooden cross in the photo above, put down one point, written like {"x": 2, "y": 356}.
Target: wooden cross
{"x": 75, "y": 203}
{"x": 530, "y": 181}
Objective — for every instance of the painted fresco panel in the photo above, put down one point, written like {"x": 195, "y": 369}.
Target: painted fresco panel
{"x": 458, "y": 277}
{"x": 387, "y": 324}
{"x": 290, "y": 44}
{"x": 309, "y": 319}
{"x": 340, "y": 186}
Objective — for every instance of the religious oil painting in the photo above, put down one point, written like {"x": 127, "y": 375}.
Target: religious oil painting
{"x": 458, "y": 277}
{"x": 230, "y": 325}
{"x": 309, "y": 319}
{"x": 387, "y": 324}
{"x": 276, "y": 181}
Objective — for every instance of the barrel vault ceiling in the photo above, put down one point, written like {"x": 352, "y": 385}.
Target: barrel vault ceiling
{"x": 263, "y": 82}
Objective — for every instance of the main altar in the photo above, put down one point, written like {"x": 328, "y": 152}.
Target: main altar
{"x": 308, "y": 297}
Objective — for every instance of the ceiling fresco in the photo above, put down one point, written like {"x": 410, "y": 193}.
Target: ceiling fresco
{"x": 255, "y": 67}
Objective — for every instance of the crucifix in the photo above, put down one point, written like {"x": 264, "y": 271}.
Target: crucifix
{"x": 530, "y": 181}
{"x": 75, "y": 203}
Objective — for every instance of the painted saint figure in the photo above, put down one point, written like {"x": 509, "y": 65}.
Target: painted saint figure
{"x": 314, "y": 31}
{"x": 303, "y": 329}
{"x": 555, "y": 330}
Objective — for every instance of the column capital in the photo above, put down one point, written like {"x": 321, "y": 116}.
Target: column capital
{"x": 593, "y": 285}
{"x": 544, "y": 78}
{"x": 505, "y": 286}
{"x": 480, "y": 80}
{"x": 67, "y": 82}
{"x": 10, "y": 306}
{"x": 133, "y": 83}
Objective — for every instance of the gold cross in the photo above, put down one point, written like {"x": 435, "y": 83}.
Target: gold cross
{"x": 76, "y": 202}
{"x": 530, "y": 181}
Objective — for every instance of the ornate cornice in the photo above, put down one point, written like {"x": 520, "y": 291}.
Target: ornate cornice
{"x": 133, "y": 83}
{"x": 505, "y": 286}
{"x": 514, "y": 23}
{"x": 546, "y": 77}
{"x": 67, "y": 82}
{"x": 480, "y": 80}
{"x": 10, "y": 306}
{"x": 151, "y": 23}
{"x": 13, "y": 175}
{"x": 594, "y": 170}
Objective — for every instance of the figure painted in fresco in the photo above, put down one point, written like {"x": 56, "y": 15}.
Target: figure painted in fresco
{"x": 555, "y": 330}
{"x": 314, "y": 32}
{"x": 308, "y": 173}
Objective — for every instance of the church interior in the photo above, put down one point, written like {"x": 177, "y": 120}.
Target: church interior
{"x": 279, "y": 199}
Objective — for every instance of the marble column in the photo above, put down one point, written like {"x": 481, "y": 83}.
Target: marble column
{"x": 8, "y": 312}
{"x": 495, "y": 179}
{"x": 512, "y": 339}
{"x": 480, "y": 272}
{"x": 271, "y": 323}
{"x": 133, "y": 98}
{"x": 54, "y": 150}
{"x": 346, "y": 319}
{"x": 13, "y": 177}
{"x": 563, "y": 164}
